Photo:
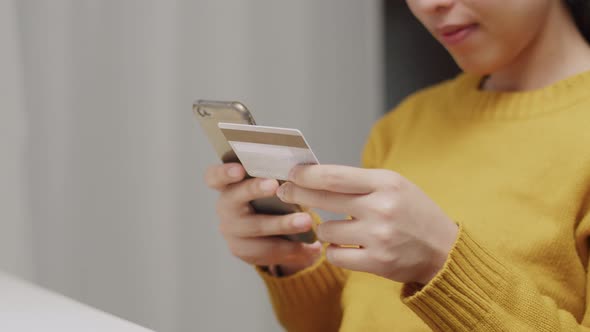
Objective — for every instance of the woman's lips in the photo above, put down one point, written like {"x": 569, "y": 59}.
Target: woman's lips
{"x": 455, "y": 34}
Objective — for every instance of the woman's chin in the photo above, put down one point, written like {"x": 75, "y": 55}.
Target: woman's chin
{"x": 481, "y": 57}
{"x": 477, "y": 65}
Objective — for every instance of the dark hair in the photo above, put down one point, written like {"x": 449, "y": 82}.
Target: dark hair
{"x": 580, "y": 10}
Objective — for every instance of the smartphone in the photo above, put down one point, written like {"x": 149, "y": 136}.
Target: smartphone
{"x": 209, "y": 114}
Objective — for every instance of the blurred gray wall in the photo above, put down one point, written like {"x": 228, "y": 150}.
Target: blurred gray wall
{"x": 15, "y": 224}
{"x": 101, "y": 178}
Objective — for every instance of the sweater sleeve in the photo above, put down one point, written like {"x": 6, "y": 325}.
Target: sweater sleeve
{"x": 476, "y": 291}
{"x": 308, "y": 300}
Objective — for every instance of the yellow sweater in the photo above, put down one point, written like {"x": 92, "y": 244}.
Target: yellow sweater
{"x": 513, "y": 169}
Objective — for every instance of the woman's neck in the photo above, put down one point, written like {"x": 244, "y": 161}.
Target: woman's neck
{"x": 558, "y": 52}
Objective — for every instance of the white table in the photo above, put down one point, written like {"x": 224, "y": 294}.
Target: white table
{"x": 25, "y": 307}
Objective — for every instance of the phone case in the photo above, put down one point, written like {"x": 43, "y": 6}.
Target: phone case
{"x": 209, "y": 114}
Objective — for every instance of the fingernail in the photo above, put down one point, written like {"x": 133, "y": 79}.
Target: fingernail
{"x": 291, "y": 175}
{"x": 234, "y": 172}
{"x": 317, "y": 245}
{"x": 301, "y": 221}
{"x": 282, "y": 190}
{"x": 267, "y": 185}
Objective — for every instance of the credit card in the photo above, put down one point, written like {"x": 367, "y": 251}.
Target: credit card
{"x": 268, "y": 152}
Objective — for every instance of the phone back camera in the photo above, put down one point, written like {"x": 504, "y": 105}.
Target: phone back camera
{"x": 203, "y": 112}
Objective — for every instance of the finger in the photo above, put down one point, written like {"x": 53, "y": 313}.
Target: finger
{"x": 338, "y": 178}
{"x": 273, "y": 251}
{"x": 342, "y": 232}
{"x": 219, "y": 176}
{"x": 355, "y": 259}
{"x": 321, "y": 199}
{"x": 239, "y": 194}
{"x": 269, "y": 225}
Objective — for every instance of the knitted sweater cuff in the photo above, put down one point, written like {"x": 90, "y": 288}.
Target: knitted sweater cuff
{"x": 464, "y": 292}
{"x": 304, "y": 287}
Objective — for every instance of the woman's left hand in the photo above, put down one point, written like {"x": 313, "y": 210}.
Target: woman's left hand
{"x": 396, "y": 231}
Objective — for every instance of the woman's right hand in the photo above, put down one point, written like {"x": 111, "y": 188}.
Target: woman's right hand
{"x": 253, "y": 237}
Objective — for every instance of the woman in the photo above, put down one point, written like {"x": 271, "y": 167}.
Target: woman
{"x": 472, "y": 211}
